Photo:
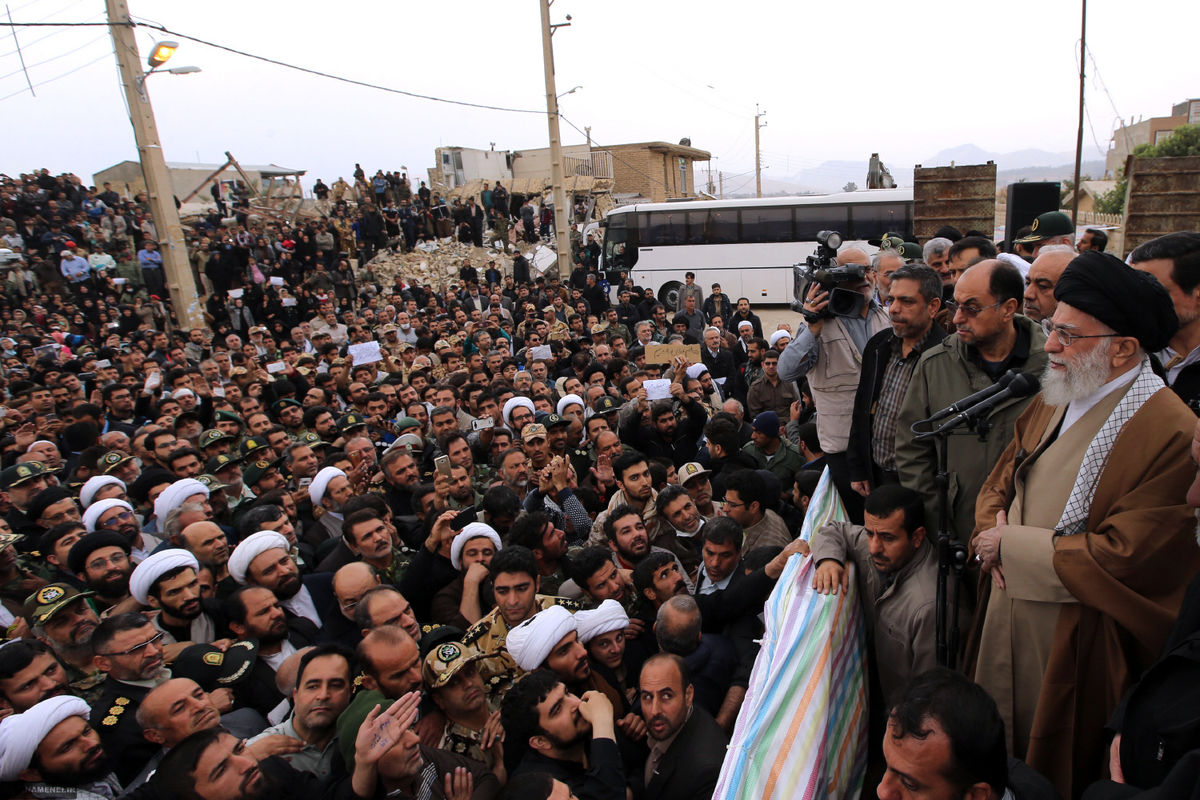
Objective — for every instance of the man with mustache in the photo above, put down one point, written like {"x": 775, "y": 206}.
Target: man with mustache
{"x": 896, "y": 577}
{"x": 129, "y": 649}
{"x": 472, "y": 724}
{"x": 168, "y": 581}
{"x": 55, "y": 752}
{"x": 62, "y": 617}
{"x": 324, "y": 683}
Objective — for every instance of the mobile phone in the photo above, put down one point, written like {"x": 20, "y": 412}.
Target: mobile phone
{"x": 303, "y": 483}
{"x": 482, "y": 424}
{"x": 464, "y": 518}
{"x": 276, "y": 366}
{"x": 103, "y": 363}
{"x": 356, "y": 457}
{"x": 442, "y": 465}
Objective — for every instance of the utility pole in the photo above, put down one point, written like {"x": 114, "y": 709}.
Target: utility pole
{"x": 721, "y": 183}
{"x": 1079, "y": 134}
{"x": 176, "y": 269}
{"x": 561, "y": 238}
{"x": 757, "y": 155}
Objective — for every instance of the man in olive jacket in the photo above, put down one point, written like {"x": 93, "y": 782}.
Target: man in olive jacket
{"x": 991, "y": 338}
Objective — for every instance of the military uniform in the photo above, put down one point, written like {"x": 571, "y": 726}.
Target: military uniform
{"x": 784, "y": 464}
{"x": 113, "y": 718}
{"x": 85, "y": 684}
{"x": 488, "y": 637}
{"x": 558, "y": 332}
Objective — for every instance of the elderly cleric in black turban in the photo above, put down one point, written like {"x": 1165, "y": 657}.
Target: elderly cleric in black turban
{"x": 1128, "y": 300}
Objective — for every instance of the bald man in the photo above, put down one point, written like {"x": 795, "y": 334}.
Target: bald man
{"x": 350, "y": 583}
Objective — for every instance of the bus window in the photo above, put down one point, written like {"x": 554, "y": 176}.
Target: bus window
{"x": 664, "y": 228}
{"x": 722, "y": 226}
{"x": 874, "y": 220}
{"x": 764, "y": 225}
{"x": 811, "y": 220}
{"x": 620, "y": 248}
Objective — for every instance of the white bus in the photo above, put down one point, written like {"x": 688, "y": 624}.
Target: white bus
{"x": 747, "y": 246}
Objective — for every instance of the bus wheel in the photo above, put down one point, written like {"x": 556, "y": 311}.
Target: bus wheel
{"x": 668, "y": 295}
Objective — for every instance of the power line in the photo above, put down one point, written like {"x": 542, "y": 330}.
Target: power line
{"x": 63, "y": 54}
{"x": 59, "y": 77}
{"x": 352, "y": 81}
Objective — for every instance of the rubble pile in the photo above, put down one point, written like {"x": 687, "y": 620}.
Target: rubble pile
{"x": 438, "y": 263}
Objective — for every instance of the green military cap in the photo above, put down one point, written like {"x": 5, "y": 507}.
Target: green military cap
{"x": 1047, "y": 226}
{"x": 311, "y": 439}
{"x": 280, "y": 405}
{"x": 351, "y": 421}
{"x": 20, "y": 473}
{"x": 554, "y": 421}
{"x": 252, "y": 444}
{"x": 406, "y": 423}
{"x": 605, "y": 405}
{"x": 229, "y": 416}
{"x": 218, "y": 463}
{"x": 252, "y": 473}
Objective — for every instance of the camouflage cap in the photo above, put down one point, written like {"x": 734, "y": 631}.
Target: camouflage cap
{"x": 49, "y": 600}
{"x": 211, "y": 482}
{"x": 212, "y": 436}
{"x": 113, "y": 459}
{"x": 444, "y": 662}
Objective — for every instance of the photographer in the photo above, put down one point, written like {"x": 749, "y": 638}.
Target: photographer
{"x": 829, "y": 352}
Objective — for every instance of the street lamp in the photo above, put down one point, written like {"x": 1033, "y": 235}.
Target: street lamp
{"x": 569, "y": 91}
{"x": 159, "y": 55}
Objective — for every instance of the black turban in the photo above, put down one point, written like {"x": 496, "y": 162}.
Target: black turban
{"x": 1128, "y": 300}
{"x": 79, "y": 553}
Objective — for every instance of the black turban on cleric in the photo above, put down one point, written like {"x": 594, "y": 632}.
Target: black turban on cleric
{"x": 1128, "y": 300}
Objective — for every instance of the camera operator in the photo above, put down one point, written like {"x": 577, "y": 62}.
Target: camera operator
{"x": 829, "y": 351}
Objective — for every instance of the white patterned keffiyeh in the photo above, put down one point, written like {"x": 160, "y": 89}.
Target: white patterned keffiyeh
{"x": 1079, "y": 504}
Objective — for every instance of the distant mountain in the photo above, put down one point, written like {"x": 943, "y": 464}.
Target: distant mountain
{"x": 831, "y": 176}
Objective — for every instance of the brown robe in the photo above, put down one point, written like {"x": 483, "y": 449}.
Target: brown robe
{"x": 1126, "y": 574}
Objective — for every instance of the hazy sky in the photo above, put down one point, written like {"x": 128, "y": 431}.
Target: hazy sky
{"x": 840, "y": 80}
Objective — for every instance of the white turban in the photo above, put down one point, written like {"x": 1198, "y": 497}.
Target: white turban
{"x": 696, "y": 370}
{"x": 605, "y": 618}
{"x": 777, "y": 335}
{"x": 173, "y": 496}
{"x": 154, "y": 567}
{"x": 251, "y": 548}
{"x": 531, "y": 642}
{"x": 512, "y": 403}
{"x": 746, "y": 324}
{"x": 95, "y": 484}
{"x": 20, "y": 734}
{"x": 91, "y": 517}
{"x": 569, "y": 400}
{"x": 473, "y": 531}
{"x": 40, "y": 441}
{"x": 316, "y": 489}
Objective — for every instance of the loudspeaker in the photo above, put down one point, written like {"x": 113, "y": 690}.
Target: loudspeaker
{"x": 1025, "y": 202}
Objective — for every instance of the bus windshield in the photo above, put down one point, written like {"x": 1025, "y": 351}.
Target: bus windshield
{"x": 620, "y": 248}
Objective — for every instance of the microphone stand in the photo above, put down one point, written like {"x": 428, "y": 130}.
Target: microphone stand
{"x": 952, "y": 558}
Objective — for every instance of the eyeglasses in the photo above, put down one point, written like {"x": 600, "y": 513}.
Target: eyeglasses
{"x": 136, "y": 648}
{"x": 115, "y": 521}
{"x": 970, "y": 310}
{"x": 1065, "y": 337}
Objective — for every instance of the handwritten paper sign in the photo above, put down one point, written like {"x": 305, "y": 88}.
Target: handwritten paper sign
{"x": 541, "y": 351}
{"x": 657, "y": 389}
{"x": 365, "y": 353}
{"x": 665, "y": 353}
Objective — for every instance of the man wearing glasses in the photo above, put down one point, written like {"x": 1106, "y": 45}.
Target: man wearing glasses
{"x": 990, "y": 337}
{"x": 130, "y": 650}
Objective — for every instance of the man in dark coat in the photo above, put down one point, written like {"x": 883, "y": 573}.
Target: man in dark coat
{"x": 687, "y": 746}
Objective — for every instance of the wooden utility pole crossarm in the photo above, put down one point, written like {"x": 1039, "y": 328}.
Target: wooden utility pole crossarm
{"x": 176, "y": 269}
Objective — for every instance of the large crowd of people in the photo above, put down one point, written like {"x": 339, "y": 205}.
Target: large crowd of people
{"x": 378, "y": 538}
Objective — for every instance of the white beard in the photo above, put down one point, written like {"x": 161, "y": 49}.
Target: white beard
{"x": 1081, "y": 378}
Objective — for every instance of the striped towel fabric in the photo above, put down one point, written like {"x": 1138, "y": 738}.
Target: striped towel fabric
{"x": 802, "y": 730}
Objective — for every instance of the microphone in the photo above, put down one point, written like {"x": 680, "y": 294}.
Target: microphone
{"x": 978, "y": 397}
{"x": 1022, "y": 385}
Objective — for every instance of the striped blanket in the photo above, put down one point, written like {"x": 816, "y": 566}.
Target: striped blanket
{"x": 802, "y": 729}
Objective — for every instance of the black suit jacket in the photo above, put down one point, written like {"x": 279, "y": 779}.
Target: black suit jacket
{"x": 689, "y": 769}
